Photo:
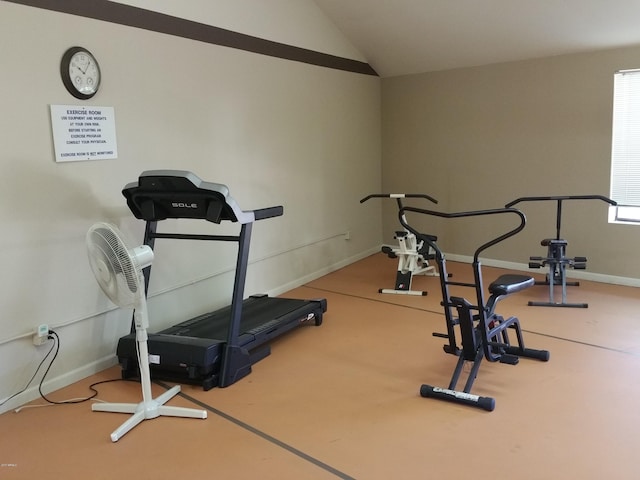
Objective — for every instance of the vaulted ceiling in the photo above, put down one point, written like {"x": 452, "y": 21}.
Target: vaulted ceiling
{"x": 400, "y": 37}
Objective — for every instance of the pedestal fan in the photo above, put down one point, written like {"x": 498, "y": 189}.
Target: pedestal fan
{"x": 118, "y": 271}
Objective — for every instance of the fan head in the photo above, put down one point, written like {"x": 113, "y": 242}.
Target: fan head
{"x": 117, "y": 268}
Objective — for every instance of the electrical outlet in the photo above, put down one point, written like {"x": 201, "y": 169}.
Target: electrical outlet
{"x": 41, "y": 336}
{"x": 347, "y": 235}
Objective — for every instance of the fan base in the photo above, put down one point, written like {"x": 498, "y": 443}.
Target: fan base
{"x": 147, "y": 410}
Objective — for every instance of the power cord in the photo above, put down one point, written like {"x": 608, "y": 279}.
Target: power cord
{"x": 34, "y": 374}
{"x": 56, "y": 345}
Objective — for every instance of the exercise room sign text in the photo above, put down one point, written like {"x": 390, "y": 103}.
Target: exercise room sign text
{"x": 83, "y": 133}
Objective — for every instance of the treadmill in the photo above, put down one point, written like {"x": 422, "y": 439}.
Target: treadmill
{"x": 217, "y": 348}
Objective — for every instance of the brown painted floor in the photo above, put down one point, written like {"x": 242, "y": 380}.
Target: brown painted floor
{"x": 341, "y": 400}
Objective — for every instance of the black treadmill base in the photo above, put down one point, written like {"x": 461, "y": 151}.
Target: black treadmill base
{"x": 186, "y": 353}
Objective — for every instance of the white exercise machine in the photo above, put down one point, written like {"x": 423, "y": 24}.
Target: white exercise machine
{"x": 412, "y": 252}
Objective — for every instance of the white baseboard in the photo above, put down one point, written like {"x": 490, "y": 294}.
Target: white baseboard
{"x": 324, "y": 271}
{"x": 61, "y": 381}
{"x": 522, "y": 267}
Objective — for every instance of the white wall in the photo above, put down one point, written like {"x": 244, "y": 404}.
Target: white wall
{"x": 276, "y": 132}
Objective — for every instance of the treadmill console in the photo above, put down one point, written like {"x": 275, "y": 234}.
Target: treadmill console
{"x": 162, "y": 194}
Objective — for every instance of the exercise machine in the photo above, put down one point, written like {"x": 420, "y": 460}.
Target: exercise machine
{"x": 217, "y": 348}
{"x": 412, "y": 251}
{"x": 484, "y": 334}
{"x": 557, "y": 260}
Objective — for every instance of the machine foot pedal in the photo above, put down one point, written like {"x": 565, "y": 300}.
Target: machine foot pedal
{"x": 509, "y": 359}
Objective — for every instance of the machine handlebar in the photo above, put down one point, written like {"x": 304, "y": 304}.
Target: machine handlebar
{"x": 399, "y": 195}
{"x": 562, "y": 197}
{"x": 559, "y": 199}
{"x": 473, "y": 213}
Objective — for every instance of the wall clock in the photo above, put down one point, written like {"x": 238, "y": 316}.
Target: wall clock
{"x": 80, "y": 73}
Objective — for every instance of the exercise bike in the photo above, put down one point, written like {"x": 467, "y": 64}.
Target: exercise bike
{"x": 557, "y": 260}
{"x": 412, "y": 251}
{"x": 484, "y": 334}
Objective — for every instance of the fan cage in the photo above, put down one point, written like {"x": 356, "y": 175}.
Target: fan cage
{"x": 106, "y": 243}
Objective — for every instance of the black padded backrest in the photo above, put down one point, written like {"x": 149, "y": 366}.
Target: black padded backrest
{"x": 162, "y": 194}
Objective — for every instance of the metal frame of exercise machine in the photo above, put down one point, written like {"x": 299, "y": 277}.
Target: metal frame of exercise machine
{"x": 556, "y": 259}
{"x": 217, "y": 348}
{"x": 412, "y": 252}
{"x": 483, "y": 332}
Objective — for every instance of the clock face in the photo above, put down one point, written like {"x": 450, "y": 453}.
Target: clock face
{"x": 80, "y": 73}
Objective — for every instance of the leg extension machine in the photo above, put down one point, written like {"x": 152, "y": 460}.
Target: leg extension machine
{"x": 412, "y": 252}
{"x": 556, "y": 260}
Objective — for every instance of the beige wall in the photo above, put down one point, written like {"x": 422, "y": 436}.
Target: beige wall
{"x": 276, "y": 132}
{"x": 478, "y": 138}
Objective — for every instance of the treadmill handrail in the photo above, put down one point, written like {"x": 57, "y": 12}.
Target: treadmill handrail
{"x": 269, "y": 212}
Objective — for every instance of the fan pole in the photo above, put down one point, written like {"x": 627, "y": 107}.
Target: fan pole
{"x": 141, "y": 321}
{"x": 149, "y": 407}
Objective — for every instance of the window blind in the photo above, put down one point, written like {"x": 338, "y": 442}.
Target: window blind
{"x": 625, "y": 150}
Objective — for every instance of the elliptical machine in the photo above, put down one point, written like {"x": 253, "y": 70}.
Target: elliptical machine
{"x": 413, "y": 252}
{"x": 483, "y": 332}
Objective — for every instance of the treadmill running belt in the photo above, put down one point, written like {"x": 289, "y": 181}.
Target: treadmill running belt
{"x": 258, "y": 314}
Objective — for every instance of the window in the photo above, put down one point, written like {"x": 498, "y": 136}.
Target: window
{"x": 625, "y": 149}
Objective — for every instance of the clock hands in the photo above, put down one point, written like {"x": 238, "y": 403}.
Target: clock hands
{"x": 84, "y": 72}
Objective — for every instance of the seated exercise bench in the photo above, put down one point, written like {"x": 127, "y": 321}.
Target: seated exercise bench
{"x": 557, "y": 260}
{"x": 484, "y": 334}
